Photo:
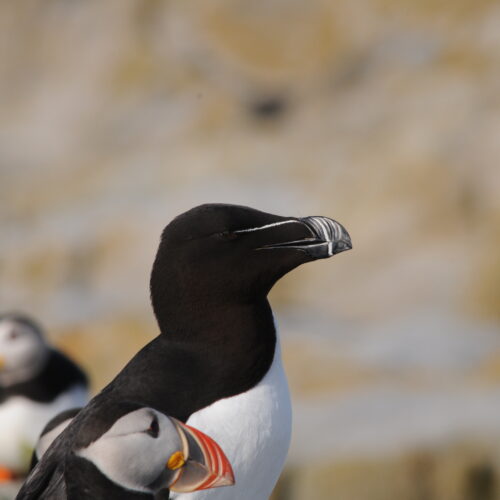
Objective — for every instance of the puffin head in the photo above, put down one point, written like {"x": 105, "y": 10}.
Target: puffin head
{"x": 144, "y": 450}
{"x": 23, "y": 349}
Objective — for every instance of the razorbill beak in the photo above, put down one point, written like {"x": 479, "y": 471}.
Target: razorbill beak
{"x": 201, "y": 464}
{"x": 326, "y": 237}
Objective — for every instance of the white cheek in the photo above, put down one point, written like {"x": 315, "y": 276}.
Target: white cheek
{"x": 22, "y": 358}
{"x": 5, "y": 328}
{"x": 30, "y": 353}
{"x": 131, "y": 461}
{"x": 16, "y": 354}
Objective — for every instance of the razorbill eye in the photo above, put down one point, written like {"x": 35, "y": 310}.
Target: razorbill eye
{"x": 228, "y": 235}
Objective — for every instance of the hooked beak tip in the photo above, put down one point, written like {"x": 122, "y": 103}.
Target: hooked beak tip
{"x": 332, "y": 237}
{"x": 343, "y": 245}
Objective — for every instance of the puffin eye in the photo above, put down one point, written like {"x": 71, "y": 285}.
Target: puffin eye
{"x": 13, "y": 334}
{"x": 154, "y": 428}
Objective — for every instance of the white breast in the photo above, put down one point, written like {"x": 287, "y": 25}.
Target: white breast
{"x": 254, "y": 430}
{"x": 22, "y": 420}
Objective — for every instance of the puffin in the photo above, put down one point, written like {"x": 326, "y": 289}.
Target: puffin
{"x": 36, "y": 383}
{"x": 53, "y": 428}
{"x": 216, "y": 363}
{"x": 137, "y": 451}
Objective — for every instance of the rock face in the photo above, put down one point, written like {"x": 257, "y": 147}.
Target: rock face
{"x": 118, "y": 115}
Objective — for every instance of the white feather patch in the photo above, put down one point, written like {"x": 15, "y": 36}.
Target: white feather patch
{"x": 254, "y": 431}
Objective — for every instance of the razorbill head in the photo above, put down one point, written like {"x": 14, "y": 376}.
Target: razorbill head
{"x": 222, "y": 254}
{"x": 216, "y": 363}
{"x": 139, "y": 452}
{"x": 36, "y": 383}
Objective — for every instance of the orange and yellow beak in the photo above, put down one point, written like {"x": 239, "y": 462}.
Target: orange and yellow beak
{"x": 200, "y": 465}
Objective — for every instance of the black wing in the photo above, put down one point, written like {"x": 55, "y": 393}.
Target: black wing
{"x": 52, "y": 424}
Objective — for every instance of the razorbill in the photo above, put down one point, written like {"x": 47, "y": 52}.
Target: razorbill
{"x": 216, "y": 363}
{"x": 137, "y": 452}
{"x": 36, "y": 383}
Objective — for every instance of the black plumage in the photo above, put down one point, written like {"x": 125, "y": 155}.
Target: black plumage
{"x": 58, "y": 375}
{"x": 64, "y": 416}
{"x": 89, "y": 484}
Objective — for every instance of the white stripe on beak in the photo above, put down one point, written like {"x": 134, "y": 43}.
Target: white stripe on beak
{"x": 267, "y": 226}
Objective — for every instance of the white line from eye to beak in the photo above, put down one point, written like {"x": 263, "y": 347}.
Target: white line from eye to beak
{"x": 267, "y": 226}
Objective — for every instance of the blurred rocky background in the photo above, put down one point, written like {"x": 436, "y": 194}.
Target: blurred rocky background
{"x": 118, "y": 115}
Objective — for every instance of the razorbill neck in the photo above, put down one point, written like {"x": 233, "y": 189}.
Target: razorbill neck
{"x": 137, "y": 452}
{"x": 36, "y": 383}
{"x": 216, "y": 363}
